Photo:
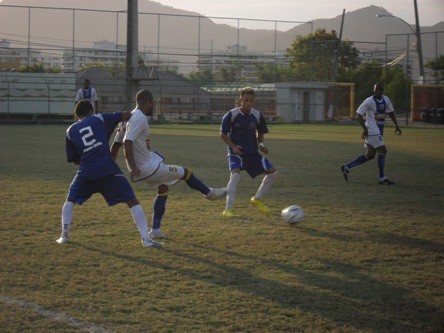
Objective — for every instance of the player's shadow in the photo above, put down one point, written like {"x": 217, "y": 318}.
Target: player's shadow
{"x": 379, "y": 237}
{"x": 338, "y": 291}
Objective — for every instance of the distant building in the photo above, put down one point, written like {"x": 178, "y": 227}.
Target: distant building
{"x": 237, "y": 55}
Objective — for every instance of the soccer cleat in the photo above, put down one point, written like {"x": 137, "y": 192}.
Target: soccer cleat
{"x": 385, "y": 181}
{"x": 259, "y": 205}
{"x": 216, "y": 193}
{"x": 229, "y": 213}
{"x": 151, "y": 243}
{"x": 153, "y": 234}
{"x": 345, "y": 172}
{"x": 64, "y": 238}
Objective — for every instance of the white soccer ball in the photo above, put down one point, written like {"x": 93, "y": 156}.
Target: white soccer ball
{"x": 293, "y": 214}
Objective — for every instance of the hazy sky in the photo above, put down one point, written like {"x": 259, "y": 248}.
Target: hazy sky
{"x": 430, "y": 11}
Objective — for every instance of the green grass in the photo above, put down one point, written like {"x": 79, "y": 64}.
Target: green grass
{"x": 368, "y": 258}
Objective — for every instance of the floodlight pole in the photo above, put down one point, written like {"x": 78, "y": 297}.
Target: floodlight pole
{"x": 417, "y": 33}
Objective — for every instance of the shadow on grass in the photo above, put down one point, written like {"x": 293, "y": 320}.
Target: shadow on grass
{"x": 338, "y": 291}
{"x": 378, "y": 237}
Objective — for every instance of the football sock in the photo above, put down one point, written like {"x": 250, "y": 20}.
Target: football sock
{"x": 381, "y": 164}
{"x": 360, "y": 160}
{"x": 67, "y": 214}
{"x": 231, "y": 190}
{"x": 195, "y": 183}
{"x": 265, "y": 185}
{"x": 140, "y": 220}
{"x": 159, "y": 209}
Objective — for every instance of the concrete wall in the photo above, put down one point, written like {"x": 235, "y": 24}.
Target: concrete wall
{"x": 37, "y": 93}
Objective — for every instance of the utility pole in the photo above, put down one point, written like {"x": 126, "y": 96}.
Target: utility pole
{"x": 132, "y": 51}
{"x": 419, "y": 44}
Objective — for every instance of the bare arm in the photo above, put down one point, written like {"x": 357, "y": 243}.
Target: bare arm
{"x": 236, "y": 148}
{"x": 115, "y": 150}
{"x": 393, "y": 118}
{"x": 362, "y": 123}
{"x": 129, "y": 156}
{"x": 260, "y": 141}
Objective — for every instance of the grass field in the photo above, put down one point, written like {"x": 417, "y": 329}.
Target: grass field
{"x": 368, "y": 258}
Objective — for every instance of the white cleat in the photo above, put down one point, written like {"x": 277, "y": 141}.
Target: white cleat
{"x": 153, "y": 234}
{"x": 217, "y": 193}
{"x": 63, "y": 239}
{"x": 152, "y": 243}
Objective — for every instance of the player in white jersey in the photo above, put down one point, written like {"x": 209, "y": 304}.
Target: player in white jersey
{"x": 147, "y": 165}
{"x": 88, "y": 93}
{"x": 374, "y": 109}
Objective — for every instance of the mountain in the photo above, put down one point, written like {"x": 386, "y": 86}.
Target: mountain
{"x": 180, "y": 31}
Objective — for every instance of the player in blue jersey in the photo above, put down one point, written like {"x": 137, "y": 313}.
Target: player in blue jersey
{"x": 374, "y": 109}
{"x": 87, "y": 146}
{"x": 147, "y": 165}
{"x": 243, "y": 129}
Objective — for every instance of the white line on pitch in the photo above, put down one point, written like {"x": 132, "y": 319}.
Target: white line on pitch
{"x": 90, "y": 328}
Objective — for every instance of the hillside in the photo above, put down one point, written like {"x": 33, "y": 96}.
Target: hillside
{"x": 181, "y": 33}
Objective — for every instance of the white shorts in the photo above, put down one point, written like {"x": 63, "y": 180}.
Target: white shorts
{"x": 157, "y": 173}
{"x": 374, "y": 141}
{"x": 165, "y": 175}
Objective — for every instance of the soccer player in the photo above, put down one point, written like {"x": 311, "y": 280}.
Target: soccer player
{"x": 87, "y": 146}
{"x": 88, "y": 93}
{"x": 147, "y": 165}
{"x": 243, "y": 129}
{"x": 374, "y": 109}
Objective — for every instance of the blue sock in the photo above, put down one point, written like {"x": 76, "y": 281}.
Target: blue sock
{"x": 196, "y": 184}
{"x": 159, "y": 209}
{"x": 381, "y": 164}
{"x": 360, "y": 160}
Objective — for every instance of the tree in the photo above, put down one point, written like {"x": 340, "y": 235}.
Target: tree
{"x": 269, "y": 72}
{"x": 395, "y": 79}
{"x": 202, "y": 77}
{"x": 230, "y": 73}
{"x": 313, "y": 58}
{"x": 437, "y": 66}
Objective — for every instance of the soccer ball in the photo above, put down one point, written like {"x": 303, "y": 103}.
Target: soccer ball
{"x": 293, "y": 214}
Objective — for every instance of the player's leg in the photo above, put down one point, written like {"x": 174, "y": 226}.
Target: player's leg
{"x": 159, "y": 208}
{"x": 383, "y": 180}
{"x": 67, "y": 215}
{"x": 116, "y": 189}
{"x": 198, "y": 185}
{"x": 260, "y": 165}
{"x": 267, "y": 181}
{"x": 369, "y": 155}
{"x": 235, "y": 165}
{"x": 79, "y": 191}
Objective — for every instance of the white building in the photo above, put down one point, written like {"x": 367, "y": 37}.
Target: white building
{"x": 237, "y": 55}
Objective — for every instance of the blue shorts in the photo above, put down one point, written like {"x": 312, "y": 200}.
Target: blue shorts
{"x": 254, "y": 164}
{"x": 114, "y": 189}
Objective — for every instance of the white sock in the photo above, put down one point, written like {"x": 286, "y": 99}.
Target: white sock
{"x": 231, "y": 190}
{"x": 67, "y": 214}
{"x": 140, "y": 220}
{"x": 265, "y": 185}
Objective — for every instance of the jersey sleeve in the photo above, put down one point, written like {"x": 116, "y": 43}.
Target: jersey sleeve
{"x": 94, "y": 95}
{"x": 133, "y": 128}
{"x": 71, "y": 153}
{"x": 111, "y": 120}
{"x": 78, "y": 96}
{"x": 225, "y": 126}
{"x": 364, "y": 107}
{"x": 262, "y": 126}
{"x": 389, "y": 106}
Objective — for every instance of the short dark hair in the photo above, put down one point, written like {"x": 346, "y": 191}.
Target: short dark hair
{"x": 247, "y": 91}
{"x": 83, "y": 109}
{"x": 144, "y": 96}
